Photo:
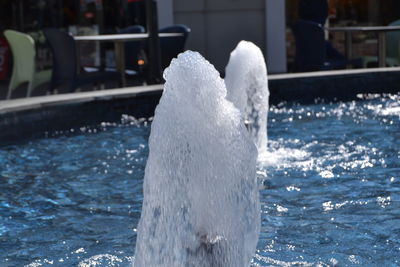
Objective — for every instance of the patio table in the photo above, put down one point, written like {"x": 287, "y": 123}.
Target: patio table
{"x": 119, "y": 47}
{"x": 381, "y": 30}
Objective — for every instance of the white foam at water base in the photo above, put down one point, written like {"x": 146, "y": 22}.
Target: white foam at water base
{"x": 201, "y": 202}
{"x": 390, "y": 111}
{"x": 247, "y": 84}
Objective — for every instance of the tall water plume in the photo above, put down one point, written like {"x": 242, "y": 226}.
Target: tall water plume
{"x": 247, "y": 84}
{"x": 201, "y": 202}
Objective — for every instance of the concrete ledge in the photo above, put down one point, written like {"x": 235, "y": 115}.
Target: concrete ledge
{"x": 299, "y": 87}
{"x": 26, "y": 118}
{"x": 332, "y": 73}
{"x": 333, "y": 85}
{"x": 37, "y": 117}
{"x": 62, "y": 99}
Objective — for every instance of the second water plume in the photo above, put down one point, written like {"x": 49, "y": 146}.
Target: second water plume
{"x": 201, "y": 202}
{"x": 247, "y": 84}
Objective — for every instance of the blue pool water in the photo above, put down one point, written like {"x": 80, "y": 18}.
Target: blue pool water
{"x": 331, "y": 194}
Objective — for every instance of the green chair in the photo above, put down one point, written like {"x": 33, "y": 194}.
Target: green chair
{"x": 24, "y": 67}
{"x": 392, "y": 49}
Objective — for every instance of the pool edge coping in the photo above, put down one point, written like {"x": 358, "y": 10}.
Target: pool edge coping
{"x": 346, "y": 72}
{"x": 21, "y": 104}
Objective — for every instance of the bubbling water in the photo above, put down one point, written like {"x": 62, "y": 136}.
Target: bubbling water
{"x": 247, "y": 84}
{"x": 201, "y": 201}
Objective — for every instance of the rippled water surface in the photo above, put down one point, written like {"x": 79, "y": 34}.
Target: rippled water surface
{"x": 331, "y": 194}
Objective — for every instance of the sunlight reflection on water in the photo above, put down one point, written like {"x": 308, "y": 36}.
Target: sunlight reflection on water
{"x": 331, "y": 194}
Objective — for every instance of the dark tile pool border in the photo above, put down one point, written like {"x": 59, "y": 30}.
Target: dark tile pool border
{"x": 36, "y": 119}
{"x": 28, "y": 118}
{"x": 342, "y": 85}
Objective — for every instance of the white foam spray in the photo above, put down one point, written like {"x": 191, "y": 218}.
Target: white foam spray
{"x": 247, "y": 84}
{"x": 201, "y": 202}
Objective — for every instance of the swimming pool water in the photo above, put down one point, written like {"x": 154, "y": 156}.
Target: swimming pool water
{"x": 331, "y": 194}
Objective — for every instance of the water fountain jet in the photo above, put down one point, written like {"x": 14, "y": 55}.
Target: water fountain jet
{"x": 201, "y": 201}
{"x": 247, "y": 84}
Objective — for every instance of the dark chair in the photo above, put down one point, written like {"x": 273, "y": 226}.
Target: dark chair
{"x": 65, "y": 72}
{"x": 172, "y": 46}
{"x": 311, "y": 49}
{"x": 134, "y": 51}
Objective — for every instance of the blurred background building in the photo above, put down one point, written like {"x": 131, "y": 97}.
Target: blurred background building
{"x": 217, "y": 25}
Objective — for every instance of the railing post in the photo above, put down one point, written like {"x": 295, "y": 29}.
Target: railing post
{"x": 154, "y": 72}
